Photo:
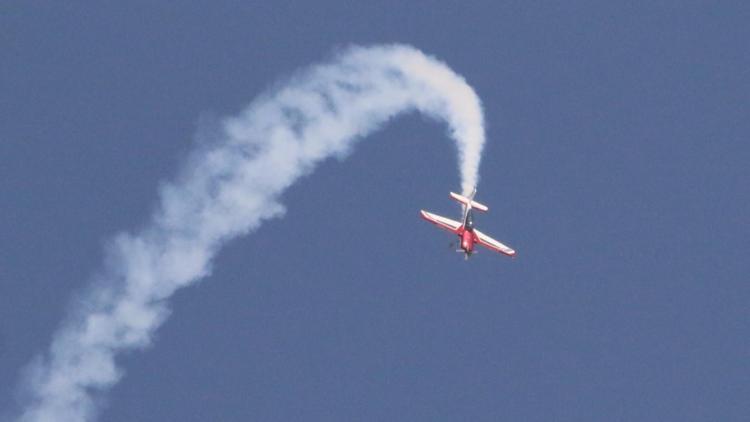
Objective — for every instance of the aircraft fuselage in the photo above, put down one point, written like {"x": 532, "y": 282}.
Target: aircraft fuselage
{"x": 467, "y": 241}
{"x": 466, "y": 233}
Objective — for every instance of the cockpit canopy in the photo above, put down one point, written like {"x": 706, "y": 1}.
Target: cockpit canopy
{"x": 469, "y": 221}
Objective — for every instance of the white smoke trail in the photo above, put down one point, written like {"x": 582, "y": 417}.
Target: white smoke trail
{"x": 226, "y": 189}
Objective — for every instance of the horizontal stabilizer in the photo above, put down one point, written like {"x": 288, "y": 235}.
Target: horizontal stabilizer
{"x": 471, "y": 203}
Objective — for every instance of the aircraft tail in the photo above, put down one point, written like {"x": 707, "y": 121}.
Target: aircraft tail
{"x": 470, "y": 202}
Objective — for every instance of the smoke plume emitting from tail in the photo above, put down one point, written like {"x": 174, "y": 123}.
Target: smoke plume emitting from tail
{"x": 228, "y": 188}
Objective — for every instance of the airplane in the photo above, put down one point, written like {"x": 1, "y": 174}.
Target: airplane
{"x": 465, "y": 230}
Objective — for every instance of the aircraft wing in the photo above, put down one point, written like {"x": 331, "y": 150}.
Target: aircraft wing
{"x": 442, "y": 222}
{"x": 493, "y": 244}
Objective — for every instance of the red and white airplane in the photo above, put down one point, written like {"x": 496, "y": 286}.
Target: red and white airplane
{"x": 465, "y": 230}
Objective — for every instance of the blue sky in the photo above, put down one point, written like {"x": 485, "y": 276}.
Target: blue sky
{"x": 616, "y": 165}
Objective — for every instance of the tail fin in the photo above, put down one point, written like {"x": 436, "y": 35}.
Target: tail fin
{"x": 469, "y": 202}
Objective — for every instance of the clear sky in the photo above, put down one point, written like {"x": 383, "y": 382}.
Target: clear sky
{"x": 616, "y": 164}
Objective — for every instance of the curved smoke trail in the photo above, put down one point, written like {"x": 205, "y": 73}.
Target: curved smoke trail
{"x": 227, "y": 189}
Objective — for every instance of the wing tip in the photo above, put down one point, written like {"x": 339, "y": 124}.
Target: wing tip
{"x": 507, "y": 252}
